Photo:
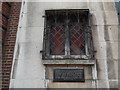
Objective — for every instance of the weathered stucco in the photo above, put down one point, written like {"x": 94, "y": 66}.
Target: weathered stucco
{"x": 28, "y": 70}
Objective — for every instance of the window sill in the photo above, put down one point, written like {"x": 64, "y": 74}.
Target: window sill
{"x": 86, "y": 62}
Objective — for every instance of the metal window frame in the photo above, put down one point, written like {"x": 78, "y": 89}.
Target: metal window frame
{"x": 88, "y": 43}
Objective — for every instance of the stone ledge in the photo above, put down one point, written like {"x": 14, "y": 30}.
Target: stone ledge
{"x": 86, "y": 62}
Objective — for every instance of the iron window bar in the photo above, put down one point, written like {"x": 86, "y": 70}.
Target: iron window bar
{"x": 87, "y": 30}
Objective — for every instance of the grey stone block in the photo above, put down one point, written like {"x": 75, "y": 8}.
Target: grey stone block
{"x": 111, "y": 18}
{"x": 98, "y": 33}
{"x": 87, "y": 84}
{"x": 103, "y": 83}
{"x": 97, "y": 18}
{"x": 109, "y": 6}
{"x": 119, "y": 32}
{"x": 113, "y": 84}
{"x": 112, "y": 50}
{"x": 112, "y": 69}
{"x": 100, "y": 47}
{"x": 95, "y": 6}
{"x": 102, "y": 69}
{"x": 111, "y": 33}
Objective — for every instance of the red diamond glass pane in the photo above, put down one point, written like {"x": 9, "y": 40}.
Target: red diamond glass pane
{"x": 57, "y": 40}
{"x": 77, "y": 40}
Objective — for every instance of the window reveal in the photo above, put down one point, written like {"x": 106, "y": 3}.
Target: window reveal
{"x": 67, "y": 35}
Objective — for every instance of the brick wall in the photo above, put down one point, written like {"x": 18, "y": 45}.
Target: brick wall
{"x": 10, "y": 17}
{"x": 5, "y": 12}
{"x": 4, "y": 15}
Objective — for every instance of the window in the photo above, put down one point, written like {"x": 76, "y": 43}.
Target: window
{"x": 67, "y": 35}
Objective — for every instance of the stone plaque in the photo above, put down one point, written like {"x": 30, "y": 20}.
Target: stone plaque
{"x": 68, "y": 75}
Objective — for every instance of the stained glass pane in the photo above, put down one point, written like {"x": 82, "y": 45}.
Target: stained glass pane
{"x": 57, "y": 40}
{"x": 77, "y": 40}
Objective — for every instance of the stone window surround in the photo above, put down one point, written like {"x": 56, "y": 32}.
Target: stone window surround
{"x": 67, "y": 61}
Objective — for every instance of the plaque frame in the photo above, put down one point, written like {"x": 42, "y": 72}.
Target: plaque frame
{"x": 66, "y": 71}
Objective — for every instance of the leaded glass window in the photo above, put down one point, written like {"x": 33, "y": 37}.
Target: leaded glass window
{"x": 67, "y": 35}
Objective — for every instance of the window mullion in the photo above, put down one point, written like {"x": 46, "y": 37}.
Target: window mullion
{"x": 87, "y": 41}
{"x": 67, "y": 41}
{"x": 66, "y": 45}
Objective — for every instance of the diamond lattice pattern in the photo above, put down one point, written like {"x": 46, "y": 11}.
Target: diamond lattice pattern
{"x": 77, "y": 40}
{"x": 57, "y": 40}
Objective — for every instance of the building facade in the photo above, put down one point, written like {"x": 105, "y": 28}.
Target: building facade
{"x": 65, "y": 45}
